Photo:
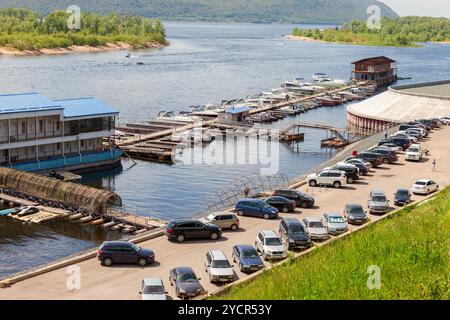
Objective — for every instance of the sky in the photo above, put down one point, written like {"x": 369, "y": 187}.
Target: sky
{"x": 432, "y": 8}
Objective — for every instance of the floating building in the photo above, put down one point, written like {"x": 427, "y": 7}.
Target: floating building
{"x": 401, "y": 104}
{"x": 38, "y": 134}
{"x": 378, "y": 70}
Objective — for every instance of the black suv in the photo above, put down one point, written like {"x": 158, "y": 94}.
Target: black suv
{"x": 389, "y": 156}
{"x": 301, "y": 199}
{"x": 111, "y": 252}
{"x": 293, "y": 233}
{"x": 180, "y": 230}
{"x": 351, "y": 171}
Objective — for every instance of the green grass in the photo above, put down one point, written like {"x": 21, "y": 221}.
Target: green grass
{"x": 410, "y": 247}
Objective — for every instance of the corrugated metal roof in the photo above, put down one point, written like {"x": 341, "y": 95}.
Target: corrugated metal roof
{"x": 236, "y": 110}
{"x": 26, "y": 102}
{"x": 83, "y": 107}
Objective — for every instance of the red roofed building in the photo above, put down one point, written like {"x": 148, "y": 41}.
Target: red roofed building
{"x": 379, "y": 70}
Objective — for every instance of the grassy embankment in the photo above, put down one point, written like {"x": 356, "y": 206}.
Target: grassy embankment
{"x": 410, "y": 247}
{"x": 23, "y": 29}
{"x": 404, "y": 32}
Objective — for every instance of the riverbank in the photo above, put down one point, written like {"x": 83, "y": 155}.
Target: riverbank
{"x": 121, "y": 283}
{"x": 110, "y": 46}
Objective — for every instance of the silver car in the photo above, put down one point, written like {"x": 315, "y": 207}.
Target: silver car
{"x": 270, "y": 245}
{"x": 218, "y": 267}
{"x": 153, "y": 289}
{"x": 335, "y": 223}
{"x": 315, "y": 228}
{"x": 378, "y": 202}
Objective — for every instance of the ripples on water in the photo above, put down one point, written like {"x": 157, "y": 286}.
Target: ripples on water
{"x": 205, "y": 64}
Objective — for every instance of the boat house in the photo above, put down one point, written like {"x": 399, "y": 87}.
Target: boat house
{"x": 234, "y": 114}
{"x": 378, "y": 70}
{"x": 38, "y": 134}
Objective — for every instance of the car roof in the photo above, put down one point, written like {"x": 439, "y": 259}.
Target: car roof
{"x": 269, "y": 233}
{"x": 183, "y": 220}
{"x": 152, "y": 281}
{"x": 117, "y": 242}
{"x": 250, "y": 200}
{"x": 331, "y": 170}
{"x": 183, "y": 270}
{"x": 402, "y": 190}
{"x": 422, "y": 180}
{"x": 218, "y": 255}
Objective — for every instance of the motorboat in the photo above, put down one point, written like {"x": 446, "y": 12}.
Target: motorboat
{"x": 323, "y": 80}
{"x": 170, "y": 116}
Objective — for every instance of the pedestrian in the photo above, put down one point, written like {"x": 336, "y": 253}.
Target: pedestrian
{"x": 385, "y": 133}
{"x": 434, "y": 165}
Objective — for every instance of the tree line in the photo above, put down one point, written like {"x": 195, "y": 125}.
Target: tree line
{"x": 24, "y": 29}
{"x": 404, "y": 31}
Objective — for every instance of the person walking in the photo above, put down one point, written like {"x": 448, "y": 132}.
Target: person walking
{"x": 385, "y": 133}
{"x": 434, "y": 165}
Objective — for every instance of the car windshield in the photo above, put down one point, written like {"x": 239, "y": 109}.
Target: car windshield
{"x": 315, "y": 224}
{"x": 136, "y": 248}
{"x": 153, "y": 290}
{"x": 336, "y": 220}
{"x": 379, "y": 198}
{"x": 250, "y": 253}
{"x": 402, "y": 193}
{"x": 187, "y": 277}
{"x": 421, "y": 183}
{"x": 356, "y": 210}
{"x": 296, "y": 229}
{"x": 413, "y": 150}
{"x": 273, "y": 242}
{"x": 266, "y": 206}
{"x": 220, "y": 264}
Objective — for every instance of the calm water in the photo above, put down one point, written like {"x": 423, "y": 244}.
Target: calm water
{"x": 206, "y": 63}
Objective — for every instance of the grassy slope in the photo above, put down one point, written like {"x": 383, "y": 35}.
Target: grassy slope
{"x": 411, "y": 248}
{"x": 323, "y": 11}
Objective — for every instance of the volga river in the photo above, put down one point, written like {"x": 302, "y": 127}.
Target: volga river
{"x": 206, "y": 63}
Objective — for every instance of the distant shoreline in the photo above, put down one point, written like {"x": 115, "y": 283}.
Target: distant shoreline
{"x": 10, "y": 51}
{"x": 305, "y": 39}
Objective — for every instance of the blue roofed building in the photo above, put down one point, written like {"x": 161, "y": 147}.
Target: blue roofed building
{"x": 39, "y": 134}
{"x": 235, "y": 114}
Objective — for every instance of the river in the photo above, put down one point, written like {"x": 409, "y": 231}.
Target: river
{"x": 205, "y": 63}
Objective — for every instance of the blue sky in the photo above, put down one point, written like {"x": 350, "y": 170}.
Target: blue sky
{"x": 433, "y": 8}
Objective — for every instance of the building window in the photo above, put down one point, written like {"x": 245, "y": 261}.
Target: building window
{"x": 24, "y": 127}
{"x": 41, "y": 125}
{"x": 58, "y": 146}
{"x": 58, "y": 126}
{"x": 82, "y": 143}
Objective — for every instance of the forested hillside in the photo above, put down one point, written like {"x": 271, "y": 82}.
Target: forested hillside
{"x": 320, "y": 11}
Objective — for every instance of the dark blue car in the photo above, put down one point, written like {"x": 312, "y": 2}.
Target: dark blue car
{"x": 256, "y": 208}
{"x": 247, "y": 257}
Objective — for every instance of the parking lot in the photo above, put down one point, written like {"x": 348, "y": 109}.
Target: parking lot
{"x": 122, "y": 282}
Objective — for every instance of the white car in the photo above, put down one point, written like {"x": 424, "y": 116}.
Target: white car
{"x": 218, "y": 267}
{"x": 424, "y": 186}
{"x": 335, "y": 223}
{"x": 270, "y": 245}
{"x": 445, "y": 120}
{"x": 153, "y": 289}
{"x": 315, "y": 228}
{"x": 414, "y": 153}
{"x": 333, "y": 178}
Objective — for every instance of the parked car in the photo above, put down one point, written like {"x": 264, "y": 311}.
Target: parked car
{"x": 269, "y": 244}
{"x": 374, "y": 158}
{"x": 445, "y": 120}
{"x": 224, "y": 220}
{"x": 247, "y": 257}
{"x": 301, "y": 199}
{"x": 334, "y": 223}
{"x": 362, "y": 168}
{"x": 353, "y": 160}
{"x": 153, "y": 289}
{"x": 186, "y": 283}
{"x": 281, "y": 203}
{"x": 427, "y": 123}
{"x": 403, "y": 135}
{"x": 391, "y": 146}
{"x": 404, "y": 127}
{"x": 378, "y": 203}
{"x": 256, "y": 208}
{"x": 181, "y": 230}
{"x": 218, "y": 267}
{"x": 26, "y": 211}
{"x": 424, "y": 186}
{"x": 388, "y": 156}
{"x": 355, "y": 214}
{"x": 414, "y": 153}
{"x": 123, "y": 252}
{"x": 333, "y": 178}
{"x": 315, "y": 228}
{"x": 293, "y": 234}
{"x": 402, "y": 197}
{"x": 414, "y": 133}
{"x": 404, "y": 143}
{"x": 351, "y": 171}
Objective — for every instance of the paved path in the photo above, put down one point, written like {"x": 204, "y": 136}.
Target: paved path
{"x": 122, "y": 282}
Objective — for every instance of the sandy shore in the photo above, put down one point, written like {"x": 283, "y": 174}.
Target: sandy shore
{"x": 5, "y": 50}
{"x": 305, "y": 39}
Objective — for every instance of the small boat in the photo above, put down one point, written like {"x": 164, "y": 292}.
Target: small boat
{"x": 140, "y": 63}
{"x": 128, "y": 55}
{"x": 327, "y": 102}
{"x": 171, "y": 116}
